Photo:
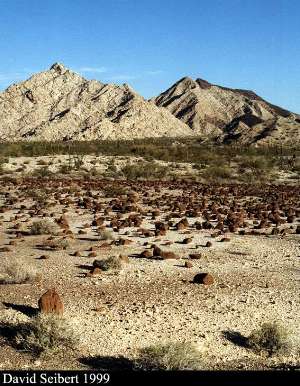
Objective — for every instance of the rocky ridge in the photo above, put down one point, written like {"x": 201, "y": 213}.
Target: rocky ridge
{"x": 229, "y": 115}
{"x": 59, "y": 104}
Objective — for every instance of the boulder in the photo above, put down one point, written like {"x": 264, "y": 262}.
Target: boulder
{"x": 204, "y": 278}
{"x": 50, "y": 302}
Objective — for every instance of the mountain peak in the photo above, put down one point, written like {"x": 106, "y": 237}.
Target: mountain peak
{"x": 213, "y": 111}
{"x": 58, "y": 104}
{"x": 58, "y": 67}
{"x": 203, "y": 83}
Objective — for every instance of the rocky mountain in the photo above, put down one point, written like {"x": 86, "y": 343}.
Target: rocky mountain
{"x": 229, "y": 115}
{"x": 59, "y": 104}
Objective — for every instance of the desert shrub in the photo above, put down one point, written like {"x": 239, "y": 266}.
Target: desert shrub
{"x": 257, "y": 165}
{"x": 112, "y": 263}
{"x": 43, "y": 227}
{"x": 75, "y": 163}
{"x": 170, "y": 356}
{"x": 64, "y": 169}
{"x": 113, "y": 190}
{"x": 106, "y": 234}
{"x": 77, "y": 160}
{"x": 111, "y": 167}
{"x": 216, "y": 172}
{"x": 144, "y": 170}
{"x": 44, "y": 334}
{"x": 296, "y": 167}
{"x": 94, "y": 172}
{"x": 40, "y": 197}
{"x": 17, "y": 272}
{"x": 189, "y": 149}
{"x": 42, "y": 172}
{"x": 3, "y": 160}
{"x": 57, "y": 244}
{"x": 270, "y": 338}
{"x": 42, "y": 162}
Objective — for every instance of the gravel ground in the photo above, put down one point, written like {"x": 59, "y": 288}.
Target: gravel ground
{"x": 153, "y": 301}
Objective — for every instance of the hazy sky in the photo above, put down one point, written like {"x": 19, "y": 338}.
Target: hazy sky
{"x": 251, "y": 44}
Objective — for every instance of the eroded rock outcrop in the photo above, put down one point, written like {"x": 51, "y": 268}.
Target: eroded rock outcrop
{"x": 229, "y": 115}
{"x": 59, "y": 104}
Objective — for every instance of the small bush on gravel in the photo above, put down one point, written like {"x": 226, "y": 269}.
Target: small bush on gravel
{"x": 109, "y": 264}
{"x": 42, "y": 227}
{"x": 57, "y": 244}
{"x": 44, "y": 334}
{"x": 64, "y": 169}
{"x": 145, "y": 170}
{"x": 270, "y": 338}
{"x": 216, "y": 173}
{"x": 113, "y": 190}
{"x": 17, "y": 272}
{"x": 171, "y": 356}
{"x": 42, "y": 172}
{"x": 106, "y": 235}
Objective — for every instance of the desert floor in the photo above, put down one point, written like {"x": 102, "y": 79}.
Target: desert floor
{"x": 153, "y": 300}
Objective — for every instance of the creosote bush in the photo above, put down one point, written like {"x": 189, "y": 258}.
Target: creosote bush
{"x": 43, "y": 227}
{"x": 17, "y": 272}
{"x": 144, "y": 170}
{"x": 170, "y": 356}
{"x": 217, "y": 172}
{"x": 270, "y": 338}
{"x": 45, "y": 334}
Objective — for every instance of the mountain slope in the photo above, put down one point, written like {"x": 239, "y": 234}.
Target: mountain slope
{"x": 58, "y": 104}
{"x": 228, "y": 115}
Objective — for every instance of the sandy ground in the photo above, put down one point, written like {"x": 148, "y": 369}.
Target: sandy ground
{"x": 108, "y": 165}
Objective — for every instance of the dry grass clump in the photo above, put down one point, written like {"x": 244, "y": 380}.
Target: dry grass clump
{"x": 43, "y": 227}
{"x": 112, "y": 263}
{"x": 270, "y": 339}
{"x": 17, "y": 272}
{"x": 44, "y": 334}
{"x": 170, "y": 356}
{"x": 57, "y": 244}
{"x": 106, "y": 235}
